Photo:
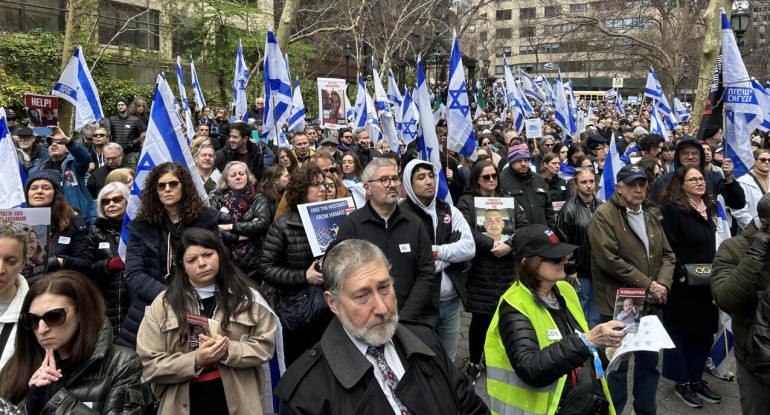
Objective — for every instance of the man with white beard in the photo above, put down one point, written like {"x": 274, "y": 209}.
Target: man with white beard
{"x": 31, "y": 149}
{"x": 366, "y": 350}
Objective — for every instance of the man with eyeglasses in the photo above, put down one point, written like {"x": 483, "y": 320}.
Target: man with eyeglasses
{"x": 113, "y": 159}
{"x": 29, "y": 149}
{"x": 258, "y": 110}
{"x": 399, "y": 234}
{"x": 689, "y": 152}
{"x": 346, "y": 140}
{"x": 71, "y": 159}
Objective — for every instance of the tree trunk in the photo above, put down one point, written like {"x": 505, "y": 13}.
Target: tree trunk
{"x": 712, "y": 44}
{"x": 71, "y": 40}
{"x": 286, "y": 22}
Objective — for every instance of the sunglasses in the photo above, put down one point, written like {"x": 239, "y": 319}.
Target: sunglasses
{"x": 763, "y": 160}
{"x": 489, "y": 177}
{"x": 16, "y": 227}
{"x": 100, "y": 135}
{"x": 332, "y": 169}
{"x": 552, "y": 260}
{"x": 117, "y": 199}
{"x": 52, "y": 141}
{"x": 172, "y": 184}
{"x": 52, "y": 318}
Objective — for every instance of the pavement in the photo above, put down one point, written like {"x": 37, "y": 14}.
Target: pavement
{"x": 668, "y": 402}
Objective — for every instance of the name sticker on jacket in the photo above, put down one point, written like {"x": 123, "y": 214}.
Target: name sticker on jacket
{"x": 554, "y": 334}
{"x": 405, "y": 248}
{"x": 64, "y": 240}
{"x": 104, "y": 245}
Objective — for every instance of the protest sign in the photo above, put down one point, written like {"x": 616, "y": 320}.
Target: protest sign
{"x": 331, "y": 93}
{"x": 38, "y": 240}
{"x": 42, "y": 110}
{"x": 533, "y": 126}
{"x": 494, "y": 217}
{"x": 322, "y": 220}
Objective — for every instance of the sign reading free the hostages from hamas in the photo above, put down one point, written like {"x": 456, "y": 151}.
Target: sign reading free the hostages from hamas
{"x": 322, "y": 220}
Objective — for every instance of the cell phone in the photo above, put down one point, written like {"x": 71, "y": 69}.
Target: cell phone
{"x": 42, "y": 131}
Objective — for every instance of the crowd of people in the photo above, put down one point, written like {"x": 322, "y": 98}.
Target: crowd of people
{"x": 212, "y": 287}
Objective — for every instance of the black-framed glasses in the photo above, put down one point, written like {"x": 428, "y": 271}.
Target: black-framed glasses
{"x": 317, "y": 184}
{"x": 53, "y": 318}
{"x": 695, "y": 180}
{"x": 16, "y": 227}
{"x": 100, "y": 135}
{"x": 172, "y": 184}
{"x": 52, "y": 141}
{"x": 552, "y": 260}
{"x": 116, "y": 200}
{"x": 487, "y": 144}
{"x": 386, "y": 181}
{"x": 488, "y": 177}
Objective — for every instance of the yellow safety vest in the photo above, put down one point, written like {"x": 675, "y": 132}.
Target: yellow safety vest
{"x": 509, "y": 394}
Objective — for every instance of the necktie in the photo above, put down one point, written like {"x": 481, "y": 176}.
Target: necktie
{"x": 387, "y": 373}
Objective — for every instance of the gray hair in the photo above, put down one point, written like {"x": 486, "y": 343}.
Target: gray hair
{"x": 89, "y": 128}
{"x": 345, "y": 258}
{"x": 107, "y": 189}
{"x": 358, "y": 131}
{"x": 222, "y": 183}
{"x": 376, "y": 162}
{"x": 763, "y": 207}
{"x": 113, "y": 146}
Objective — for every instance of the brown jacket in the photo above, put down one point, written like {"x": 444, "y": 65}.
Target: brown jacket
{"x": 169, "y": 365}
{"x": 618, "y": 257}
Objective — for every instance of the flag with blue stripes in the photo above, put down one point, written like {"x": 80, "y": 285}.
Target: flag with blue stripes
{"x": 572, "y": 100}
{"x": 763, "y": 98}
{"x": 742, "y": 111}
{"x": 525, "y": 105}
{"x": 196, "y": 86}
{"x": 277, "y": 92}
{"x": 77, "y": 87}
{"x": 657, "y": 125}
{"x": 654, "y": 91}
{"x": 359, "y": 109}
{"x": 611, "y": 168}
{"x": 619, "y": 103}
{"x": 680, "y": 112}
{"x": 185, "y": 104}
{"x": 380, "y": 97}
{"x": 460, "y": 136}
{"x": 240, "y": 82}
{"x": 297, "y": 116}
{"x": 386, "y": 120}
{"x": 427, "y": 141}
{"x": 631, "y": 149}
{"x": 511, "y": 102}
{"x": 562, "y": 114}
{"x": 349, "y": 112}
{"x": 372, "y": 123}
{"x": 549, "y": 95}
{"x": 408, "y": 119}
{"x": 531, "y": 89}
{"x": 165, "y": 142}
{"x": 566, "y": 171}
{"x": 395, "y": 98}
{"x": 12, "y": 185}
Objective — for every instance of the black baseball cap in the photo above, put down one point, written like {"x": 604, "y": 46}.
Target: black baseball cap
{"x": 26, "y": 132}
{"x": 539, "y": 240}
{"x": 631, "y": 172}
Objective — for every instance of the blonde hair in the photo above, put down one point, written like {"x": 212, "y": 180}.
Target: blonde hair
{"x": 120, "y": 175}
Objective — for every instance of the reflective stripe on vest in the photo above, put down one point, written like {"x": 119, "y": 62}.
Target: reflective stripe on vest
{"x": 499, "y": 407}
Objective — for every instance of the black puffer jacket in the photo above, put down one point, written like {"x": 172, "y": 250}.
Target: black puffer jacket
{"x": 572, "y": 228}
{"x": 286, "y": 253}
{"x": 558, "y": 189}
{"x": 103, "y": 241}
{"x": 254, "y": 224}
{"x": 530, "y": 192}
{"x": 71, "y": 245}
{"x": 126, "y": 131}
{"x": 489, "y": 276}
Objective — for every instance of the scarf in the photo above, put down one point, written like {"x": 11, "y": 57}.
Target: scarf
{"x": 238, "y": 204}
{"x": 699, "y": 206}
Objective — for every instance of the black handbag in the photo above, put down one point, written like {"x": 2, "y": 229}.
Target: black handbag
{"x": 152, "y": 403}
{"x": 301, "y": 307}
{"x": 698, "y": 275}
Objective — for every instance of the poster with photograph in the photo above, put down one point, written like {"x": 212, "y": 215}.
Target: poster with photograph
{"x": 42, "y": 110}
{"x": 629, "y": 303}
{"x": 322, "y": 220}
{"x": 533, "y": 126}
{"x": 39, "y": 221}
{"x": 332, "y": 102}
{"x": 494, "y": 217}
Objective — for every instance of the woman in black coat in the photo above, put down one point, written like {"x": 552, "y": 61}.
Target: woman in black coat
{"x": 689, "y": 315}
{"x": 557, "y": 188}
{"x": 288, "y": 263}
{"x": 491, "y": 272}
{"x": 248, "y": 215}
{"x": 170, "y": 204}
{"x": 107, "y": 271}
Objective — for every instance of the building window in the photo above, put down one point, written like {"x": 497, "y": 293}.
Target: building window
{"x": 526, "y": 50}
{"x": 499, "y": 70}
{"x": 23, "y": 16}
{"x": 142, "y": 31}
{"x": 503, "y": 14}
{"x": 503, "y": 33}
{"x": 578, "y": 8}
{"x": 503, "y": 51}
{"x": 483, "y": 36}
{"x": 527, "y": 31}
{"x": 552, "y": 11}
{"x": 527, "y": 13}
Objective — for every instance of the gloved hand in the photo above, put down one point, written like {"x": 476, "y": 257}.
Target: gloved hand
{"x": 115, "y": 264}
{"x": 759, "y": 244}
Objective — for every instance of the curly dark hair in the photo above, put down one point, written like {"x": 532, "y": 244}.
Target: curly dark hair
{"x": 296, "y": 192}
{"x": 152, "y": 210}
{"x": 674, "y": 192}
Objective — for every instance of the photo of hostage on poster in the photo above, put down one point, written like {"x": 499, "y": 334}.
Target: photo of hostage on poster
{"x": 494, "y": 217}
{"x": 42, "y": 110}
{"x": 322, "y": 220}
{"x": 332, "y": 102}
{"x": 37, "y": 222}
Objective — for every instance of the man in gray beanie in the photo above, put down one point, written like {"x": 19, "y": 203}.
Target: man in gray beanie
{"x": 126, "y": 128}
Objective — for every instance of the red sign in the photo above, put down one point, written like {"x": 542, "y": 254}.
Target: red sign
{"x": 43, "y": 102}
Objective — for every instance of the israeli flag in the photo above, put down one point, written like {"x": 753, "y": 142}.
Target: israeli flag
{"x": 380, "y": 97}
{"x": 680, "y": 112}
{"x": 388, "y": 123}
{"x": 619, "y": 103}
{"x": 657, "y": 125}
{"x": 723, "y": 225}
{"x": 349, "y": 112}
{"x": 763, "y": 97}
{"x": 460, "y": 136}
{"x": 77, "y": 87}
{"x": 566, "y": 171}
{"x": 563, "y": 115}
{"x": 590, "y": 113}
{"x": 572, "y": 101}
{"x": 240, "y": 82}
{"x": 12, "y": 185}
{"x": 360, "y": 111}
{"x": 185, "y": 105}
{"x": 550, "y": 97}
{"x": 395, "y": 98}
{"x": 372, "y": 123}
{"x": 198, "y": 94}
{"x": 511, "y": 102}
{"x": 611, "y": 168}
{"x": 427, "y": 141}
{"x": 631, "y": 149}
{"x": 297, "y": 115}
{"x": 409, "y": 119}
{"x": 525, "y": 106}
{"x": 610, "y": 94}
{"x": 742, "y": 111}
{"x": 278, "y": 99}
{"x": 721, "y": 353}
{"x": 530, "y": 88}
{"x": 165, "y": 142}
{"x": 654, "y": 91}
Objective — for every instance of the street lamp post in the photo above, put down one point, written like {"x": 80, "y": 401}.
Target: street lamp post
{"x": 347, "y": 66}
{"x": 740, "y": 21}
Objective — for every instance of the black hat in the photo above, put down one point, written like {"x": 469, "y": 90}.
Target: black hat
{"x": 594, "y": 140}
{"x": 539, "y": 240}
{"x": 10, "y": 115}
{"x": 626, "y": 130}
{"x": 121, "y": 99}
{"x": 631, "y": 172}
{"x": 26, "y": 131}
{"x": 52, "y": 176}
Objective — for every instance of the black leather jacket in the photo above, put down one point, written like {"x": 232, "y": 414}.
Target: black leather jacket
{"x": 572, "y": 228}
{"x": 103, "y": 241}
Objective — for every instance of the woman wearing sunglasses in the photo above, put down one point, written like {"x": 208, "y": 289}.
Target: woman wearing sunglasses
{"x": 248, "y": 214}
{"x": 216, "y": 372}
{"x": 491, "y": 272}
{"x": 169, "y": 205}
{"x": 65, "y": 361}
{"x": 69, "y": 230}
{"x": 107, "y": 271}
{"x": 539, "y": 350}
{"x": 14, "y": 240}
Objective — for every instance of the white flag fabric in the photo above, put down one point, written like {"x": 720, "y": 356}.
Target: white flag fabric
{"x": 611, "y": 168}
{"x": 427, "y": 141}
{"x": 742, "y": 111}
{"x": 77, "y": 87}
{"x": 12, "y": 185}
{"x": 680, "y": 112}
{"x": 349, "y": 112}
{"x": 562, "y": 114}
{"x": 550, "y": 97}
{"x": 524, "y": 103}
{"x": 657, "y": 125}
{"x": 297, "y": 116}
{"x": 185, "y": 104}
{"x": 460, "y": 137}
{"x": 372, "y": 124}
{"x": 408, "y": 119}
{"x": 360, "y": 111}
{"x": 382, "y": 104}
{"x": 654, "y": 91}
{"x": 196, "y": 86}
{"x": 572, "y": 100}
{"x": 530, "y": 88}
{"x": 395, "y": 98}
{"x": 512, "y": 103}
{"x": 277, "y": 92}
{"x": 763, "y": 98}
{"x": 380, "y": 97}
{"x": 619, "y": 103}
{"x": 240, "y": 82}
{"x": 165, "y": 142}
